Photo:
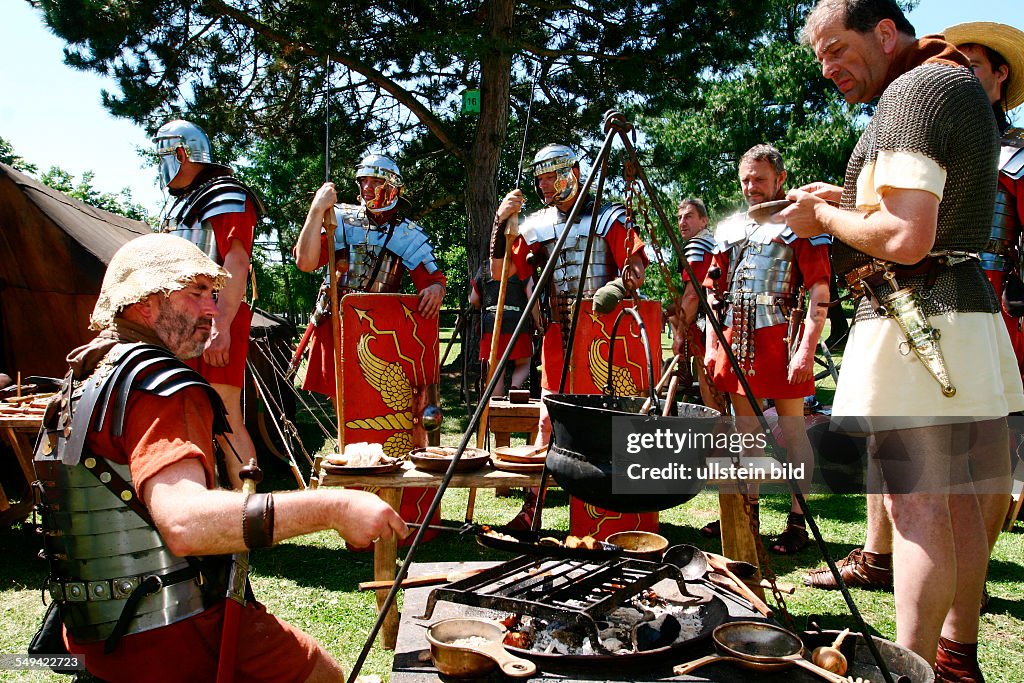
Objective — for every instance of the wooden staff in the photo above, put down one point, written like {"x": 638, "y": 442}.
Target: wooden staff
{"x": 665, "y": 377}
{"x": 511, "y": 231}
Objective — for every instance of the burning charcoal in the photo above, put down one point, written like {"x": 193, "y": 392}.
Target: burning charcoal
{"x": 626, "y": 616}
{"x": 614, "y": 645}
{"x": 661, "y": 632}
{"x": 567, "y": 635}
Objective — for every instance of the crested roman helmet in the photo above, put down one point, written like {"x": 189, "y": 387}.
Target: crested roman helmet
{"x": 560, "y": 160}
{"x": 187, "y": 136}
{"x": 386, "y": 197}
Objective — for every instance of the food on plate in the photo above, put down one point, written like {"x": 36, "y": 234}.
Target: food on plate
{"x": 361, "y": 454}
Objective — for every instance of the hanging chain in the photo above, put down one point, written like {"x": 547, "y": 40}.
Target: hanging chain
{"x": 637, "y": 207}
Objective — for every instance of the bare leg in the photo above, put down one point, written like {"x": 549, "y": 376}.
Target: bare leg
{"x": 239, "y": 449}
{"x": 544, "y": 423}
{"x": 940, "y": 548}
{"x": 499, "y": 388}
{"x": 794, "y": 429}
{"x": 521, "y": 372}
{"x": 990, "y": 466}
{"x": 326, "y": 670}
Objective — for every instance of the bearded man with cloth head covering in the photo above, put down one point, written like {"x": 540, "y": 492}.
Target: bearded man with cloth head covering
{"x": 135, "y": 530}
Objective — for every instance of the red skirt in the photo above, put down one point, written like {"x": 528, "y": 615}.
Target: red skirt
{"x": 522, "y": 349}
{"x": 768, "y": 376}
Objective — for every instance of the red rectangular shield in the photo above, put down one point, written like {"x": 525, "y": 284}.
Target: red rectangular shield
{"x": 389, "y": 358}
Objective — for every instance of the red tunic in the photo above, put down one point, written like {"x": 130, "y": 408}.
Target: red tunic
{"x": 769, "y": 378}
{"x": 695, "y": 334}
{"x": 524, "y": 342}
{"x": 1014, "y": 188}
{"x": 228, "y": 227}
{"x": 160, "y": 432}
{"x": 320, "y": 369}
{"x": 622, "y": 244}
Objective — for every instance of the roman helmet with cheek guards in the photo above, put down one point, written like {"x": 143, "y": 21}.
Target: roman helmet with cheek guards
{"x": 560, "y": 160}
{"x": 386, "y": 197}
{"x": 188, "y": 136}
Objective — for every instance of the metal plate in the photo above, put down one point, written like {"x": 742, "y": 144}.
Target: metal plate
{"x": 713, "y": 613}
{"x": 527, "y": 545}
{"x": 763, "y": 212}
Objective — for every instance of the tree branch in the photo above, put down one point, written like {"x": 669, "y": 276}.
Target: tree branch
{"x": 432, "y": 123}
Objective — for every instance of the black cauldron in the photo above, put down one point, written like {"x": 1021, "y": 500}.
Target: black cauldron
{"x": 580, "y": 458}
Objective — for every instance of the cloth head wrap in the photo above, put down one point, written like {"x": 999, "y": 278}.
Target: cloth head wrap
{"x": 146, "y": 265}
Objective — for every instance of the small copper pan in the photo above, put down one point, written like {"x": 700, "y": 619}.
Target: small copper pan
{"x": 758, "y": 647}
{"x": 473, "y": 660}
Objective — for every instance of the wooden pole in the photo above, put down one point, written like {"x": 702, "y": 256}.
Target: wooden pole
{"x": 511, "y": 230}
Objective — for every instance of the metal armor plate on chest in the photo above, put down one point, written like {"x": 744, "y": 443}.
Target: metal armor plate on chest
{"x": 369, "y": 268}
{"x": 1005, "y": 228}
{"x": 102, "y": 550}
{"x": 763, "y": 274}
{"x": 569, "y": 267}
{"x": 201, "y": 235}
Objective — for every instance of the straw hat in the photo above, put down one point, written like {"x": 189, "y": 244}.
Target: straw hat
{"x": 146, "y": 265}
{"x": 1006, "y": 40}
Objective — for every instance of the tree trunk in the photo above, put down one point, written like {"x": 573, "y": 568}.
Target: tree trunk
{"x": 492, "y": 127}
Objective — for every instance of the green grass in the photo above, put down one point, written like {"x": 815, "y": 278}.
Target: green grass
{"x": 311, "y": 581}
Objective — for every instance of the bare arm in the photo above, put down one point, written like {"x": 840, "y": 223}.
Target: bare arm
{"x": 801, "y": 367}
{"x": 307, "y": 247}
{"x": 902, "y": 230}
{"x": 194, "y": 520}
{"x": 511, "y": 204}
{"x": 633, "y": 272}
{"x": 230, "y": 298}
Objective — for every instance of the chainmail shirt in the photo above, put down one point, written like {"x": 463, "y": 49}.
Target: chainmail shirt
{"x": 923, "y": 112}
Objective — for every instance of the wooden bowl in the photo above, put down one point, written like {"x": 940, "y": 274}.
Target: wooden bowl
{"x": 643, "y": 545}
{"x": 438, "y": 458}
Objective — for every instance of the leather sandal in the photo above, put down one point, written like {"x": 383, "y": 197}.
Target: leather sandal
{"x": 792, "y": 540}
{"x": 712, "y": 529}
{"x": 957, "y": 662}
{"x": 857, "y": 572}
{"x": 523, "y": 521}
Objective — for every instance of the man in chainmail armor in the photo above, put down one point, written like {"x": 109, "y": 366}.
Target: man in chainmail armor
{"x": 914, "y": 212}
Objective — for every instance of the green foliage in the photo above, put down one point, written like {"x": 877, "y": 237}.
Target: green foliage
{"x": 254, "y": 74}
{"x": 7, "y": 156}
{"x": 778, "y": 97}
{"x": 84, "y": 191}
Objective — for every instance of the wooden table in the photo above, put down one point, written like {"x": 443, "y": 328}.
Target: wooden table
{"x": 390, "y": 485}
{"x": 504, "y": 418}
{"x": 19, "y": 432}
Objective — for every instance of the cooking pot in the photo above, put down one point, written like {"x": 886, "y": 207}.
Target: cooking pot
{"x": 480, "y": 650}
{"x": 580, "y": 458}
{"x": 758, "y": 646}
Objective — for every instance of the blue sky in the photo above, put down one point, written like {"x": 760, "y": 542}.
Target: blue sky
{"x": 52, "y": 113}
